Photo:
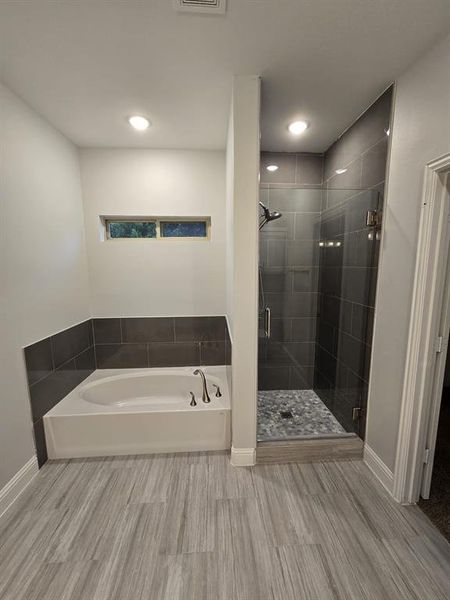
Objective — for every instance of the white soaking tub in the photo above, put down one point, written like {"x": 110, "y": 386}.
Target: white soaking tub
{"x": 140, "y": 411}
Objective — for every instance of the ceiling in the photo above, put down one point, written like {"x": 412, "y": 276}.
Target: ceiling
{"x": 88, "y": 64}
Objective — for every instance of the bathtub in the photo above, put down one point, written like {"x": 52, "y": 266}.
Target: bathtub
{"x": 140, "y": 411}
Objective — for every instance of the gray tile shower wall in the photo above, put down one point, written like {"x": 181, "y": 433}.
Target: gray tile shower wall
{"x": 348, "y": 269}
{"x": 289, "y": 269}
{"x": 57, "y": 364}
{"x": 301, "y": 168}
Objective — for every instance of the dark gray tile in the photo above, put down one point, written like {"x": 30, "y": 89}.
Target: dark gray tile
{"x": 301, "y": 353}
{"x": 228, "y": 351}
{"x": 362, "y": 323}
{"x": 301, "y": 253}
{"x": 286, "y": 163}
{"x": 331, "y": 280}
{"x": 38, "y": 360}
{"x": 307, "y": 226}
{"x": 107, "y": 331}
{"x": 39, "y": 442}
{"x": 292, "y": 305}
{"x": 177, "y": 354}
{"x": 200, "y": 329}
{"x": 49, "y": 391}
{"x": 273, "y": 378}
{"x": 295, "y": 199}
{"x": 305, "y": 279}
{"x": 353, "y": 354}
{"x": 213, "y": 353}
{"x": 281, "y": 329}
{"x": 272, "y": 353}
{"x": 304, "y": 330}
{"x": 276, "y": 253}
{"x": 309, "y": 169}
{"x": 277, "y": 279}
{"x": 67, "y": 344}
{"x": 279, "y": 229}
{"x": 86, "y": 361}
{"x": 330, "y": 309}
{"x": 358, "y": 285}
{"x": 374, "y": 123}
{"x": 326, "y": 335}
{"x": 374, "y": 164}
{"x": 326, "y": 364}
{"x": 301, "y": 377}
{"x": 147, "y": 329}
{"x": 350, "y": 180}
{"x": 361, "y": 249}
{"x": 364, "y": 133}
{"x": 121, "y": 356}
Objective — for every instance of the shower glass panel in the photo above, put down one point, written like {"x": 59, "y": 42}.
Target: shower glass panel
{"x": 317, "y": 272}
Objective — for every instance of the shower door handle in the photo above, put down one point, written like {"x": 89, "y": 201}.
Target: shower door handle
{"x": 267, "y": 322}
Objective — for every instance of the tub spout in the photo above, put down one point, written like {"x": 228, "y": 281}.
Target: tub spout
{"x": 205, "y": 396}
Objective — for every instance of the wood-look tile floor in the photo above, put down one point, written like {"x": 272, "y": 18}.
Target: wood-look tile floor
{"x": 182, "y": 527}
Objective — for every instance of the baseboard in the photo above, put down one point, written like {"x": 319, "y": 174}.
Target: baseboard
{"x": 379, "y": 469}
{"x": 12, "y": 490}
{"x": 243, "y": 457}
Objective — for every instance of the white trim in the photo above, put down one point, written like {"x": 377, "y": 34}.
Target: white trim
{"x": 378, "y": 468}
{"x": 426, "y": 311}
{"x": 243, "y": 457}
{"x": 15, "y": 486}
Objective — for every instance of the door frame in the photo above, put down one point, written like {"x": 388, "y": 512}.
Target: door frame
{"x": 424, "y": 329}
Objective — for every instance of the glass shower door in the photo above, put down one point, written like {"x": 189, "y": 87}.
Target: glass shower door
{"x": 317, "y": 272}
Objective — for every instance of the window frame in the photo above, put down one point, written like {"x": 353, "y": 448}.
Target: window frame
{"x": 106, "y": 220}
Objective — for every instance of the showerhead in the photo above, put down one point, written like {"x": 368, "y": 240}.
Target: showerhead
{"x": 268, "y": 216}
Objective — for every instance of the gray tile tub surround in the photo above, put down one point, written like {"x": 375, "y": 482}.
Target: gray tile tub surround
{"x": 134, "y": 342}
{"x": 55, "y": 366}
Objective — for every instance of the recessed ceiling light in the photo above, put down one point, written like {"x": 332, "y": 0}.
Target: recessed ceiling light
{"x": 139, "y": 123}
{"x": 272, "y": 168}
{"x": 298, "y": 127}
{"x": 340, "y": 171}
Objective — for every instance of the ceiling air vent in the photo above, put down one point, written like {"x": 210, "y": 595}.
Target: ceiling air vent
{"x": 217, "y": 7}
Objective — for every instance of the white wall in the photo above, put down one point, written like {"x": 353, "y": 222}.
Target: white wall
{"x": 420, "y": 133}
{"x": 43, "y": 271}
{"x": 244, "y": 172}
{"x": 229, "y": 256}
{"x": 155, "y": 278}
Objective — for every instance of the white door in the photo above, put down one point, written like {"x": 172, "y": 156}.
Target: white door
{"x": 439, "y": 370}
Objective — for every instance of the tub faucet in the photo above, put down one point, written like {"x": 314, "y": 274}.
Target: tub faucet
{"x": 205, "y": 396}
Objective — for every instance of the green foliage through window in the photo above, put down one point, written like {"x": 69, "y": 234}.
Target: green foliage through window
{"x": 132, "y": 229}
{"x": 184, "y": 229}
{"x": 157, "y": 228}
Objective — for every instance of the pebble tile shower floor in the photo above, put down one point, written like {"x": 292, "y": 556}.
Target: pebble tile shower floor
{"x": 294, "y": 413}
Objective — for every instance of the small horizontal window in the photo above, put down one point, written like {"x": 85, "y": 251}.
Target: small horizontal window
{"x": 184, "y": 229}
{"x": 157, "y": 228}
{"x": 131, "y": 229}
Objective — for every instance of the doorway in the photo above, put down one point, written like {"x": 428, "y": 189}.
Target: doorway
{"x": 428, "y": 341}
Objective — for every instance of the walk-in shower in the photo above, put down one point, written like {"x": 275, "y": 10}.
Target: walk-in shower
{"x": 317, "y": 274}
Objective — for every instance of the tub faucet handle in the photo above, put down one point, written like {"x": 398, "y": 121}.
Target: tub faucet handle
{"x": 193, "y": 402}
{"x": 218, "y": 392}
